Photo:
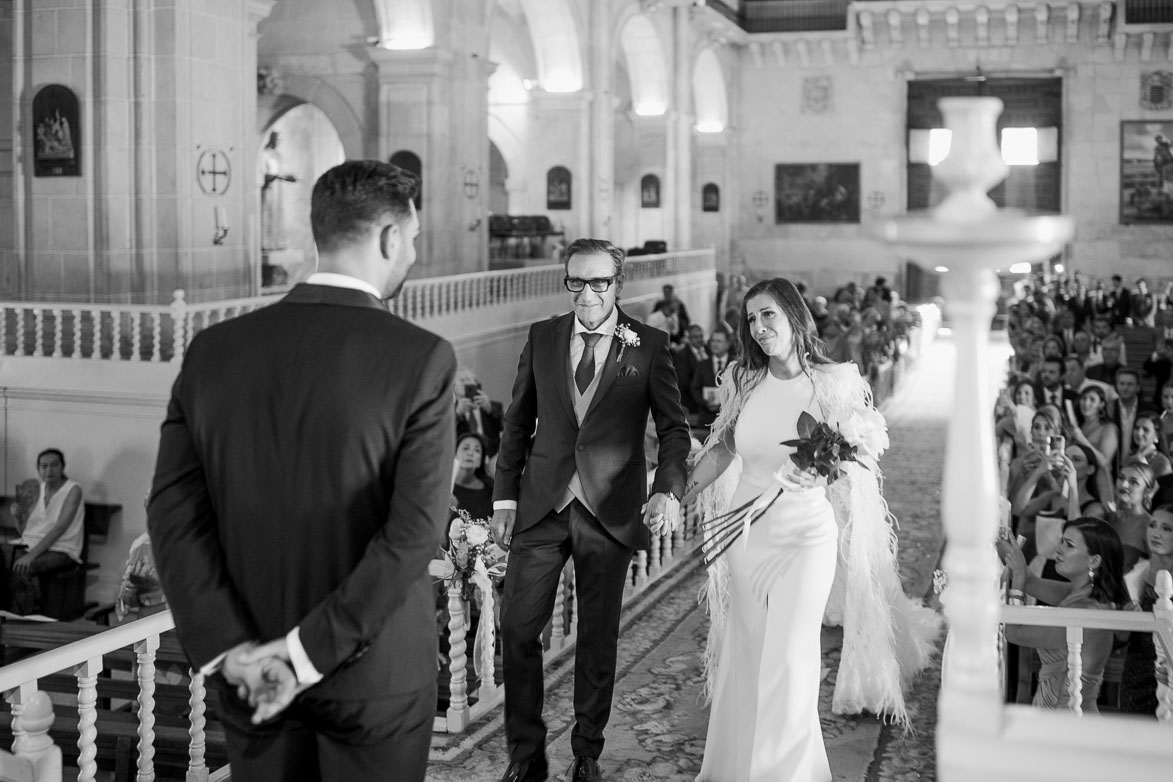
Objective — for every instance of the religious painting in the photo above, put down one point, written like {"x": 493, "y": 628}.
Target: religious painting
{"x": 1156, "y": 90}
{"x": 710, "y": 198}
{"x": 558, "y": 188}
{"x": 410, "y": 162}
{"x": 816, "y": 193}
{"x": 649, "y": 192}
{"x": 56, "y": 132}
{"x": 1146, "y": 172}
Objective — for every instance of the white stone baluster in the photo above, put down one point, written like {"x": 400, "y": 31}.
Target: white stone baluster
{"x": 4, "y": 332}
{"x": 145, "y": 654}
{"x": 18, "y": 701}
{"x": 1075, "y": 669}
{"x": 19, "y": 348}
{"x": 156, "y": 337}
{"x": 654, "y": 557}
{"x": 136, "y": 336}
{"x": 117, "y": 323}
{"x": 558, "y": 619}
{"x": 641, "y": 569}
{"x": 678, "y": 533}
{"x": 1163, "y": 641}
{"x": 197, "y": 767}
{"x": 87, "y": 718}
{"x": 969, "y": 235}
{"x": 178, "y": 324}
{"x": 38, "y": 331}
{"x": 457, "y": 715}
{"x": 79, "y": 327}
{"x": 58, "y": 329}
{"x": 487, "y": 633}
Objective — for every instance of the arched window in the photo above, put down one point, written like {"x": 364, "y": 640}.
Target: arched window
{"x": 649, "y": 192}
{"x": 558, "y": 188}
{"x": 710, "y": 198}
{"x": 410, "y": 161}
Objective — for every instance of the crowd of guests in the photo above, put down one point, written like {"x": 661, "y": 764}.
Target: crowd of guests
{"x": 1084, "y": 430}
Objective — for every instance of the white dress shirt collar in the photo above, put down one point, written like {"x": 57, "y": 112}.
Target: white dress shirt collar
{"x": 335, "y": 280}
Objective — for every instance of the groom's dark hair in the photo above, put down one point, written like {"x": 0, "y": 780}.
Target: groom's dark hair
{"x": 351, "y": 197}
{"x": 589, "y": 246}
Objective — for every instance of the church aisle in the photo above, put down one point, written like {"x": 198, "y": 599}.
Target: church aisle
{"x": 658, "y": 724}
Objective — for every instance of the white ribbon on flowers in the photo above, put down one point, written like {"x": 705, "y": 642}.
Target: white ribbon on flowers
{"x": 485, "y": 643}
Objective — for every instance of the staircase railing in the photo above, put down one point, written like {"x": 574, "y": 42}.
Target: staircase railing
{"x": 84, "y": 659}
{"x": 161, "y": 333}
{"x": 1159, "y": 622}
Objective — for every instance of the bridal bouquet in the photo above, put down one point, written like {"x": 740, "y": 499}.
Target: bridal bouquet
{"x": 819, "y": 451}
{"x": 472, "y": 558}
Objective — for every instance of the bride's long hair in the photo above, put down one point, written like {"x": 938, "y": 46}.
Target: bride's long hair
{"x": 752, "y": 366}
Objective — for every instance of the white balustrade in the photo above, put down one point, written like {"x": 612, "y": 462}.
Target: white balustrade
{"x": 84, "y": 658}
{"x": 1163, "y": 641}
{"x": 420, "y": 300}
{"x": 35, "y": 756}
{"x": 458, "y": 712}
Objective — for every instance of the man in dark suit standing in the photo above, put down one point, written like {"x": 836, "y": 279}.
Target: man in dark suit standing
{"x": 704, "y": 380}
{"x": 301, "y": 489}
{"x": 570, "y": 484}
{"x": 1051, "y": 388}
{"x": 686, "y": 360}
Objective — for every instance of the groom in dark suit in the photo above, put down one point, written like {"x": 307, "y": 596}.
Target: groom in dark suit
{"x": 301, "y": 489}
{"x": 570, "y": 484}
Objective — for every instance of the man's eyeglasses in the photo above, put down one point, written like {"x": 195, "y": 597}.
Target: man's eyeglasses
{"x": 598, "y": 285}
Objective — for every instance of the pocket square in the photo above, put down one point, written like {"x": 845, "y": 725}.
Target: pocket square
{"x": 627, "y": 370}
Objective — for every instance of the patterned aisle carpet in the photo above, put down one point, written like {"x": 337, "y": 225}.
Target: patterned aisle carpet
{"x": 658, "y": 723}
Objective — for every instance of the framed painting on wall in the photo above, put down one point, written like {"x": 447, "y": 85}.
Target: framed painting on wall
{"x": 649, "y": 192}
{"x": 558, "y": 188}
{"x": 1146, "y": 172}
{"x": 816, "y": 193}
{"x": 56, "y": 132}
{"x": 711, "y": 198}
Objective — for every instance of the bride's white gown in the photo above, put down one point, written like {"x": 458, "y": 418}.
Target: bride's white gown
{"x": 764, "y": 722}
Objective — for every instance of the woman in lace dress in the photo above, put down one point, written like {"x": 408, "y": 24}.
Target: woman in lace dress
{"x": 771, "y": 590}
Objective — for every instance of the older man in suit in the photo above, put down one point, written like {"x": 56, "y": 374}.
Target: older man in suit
{"x": 570, "y": 483}
{"x": 301, "y": 489}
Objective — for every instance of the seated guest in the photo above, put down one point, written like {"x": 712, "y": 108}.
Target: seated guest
{"x": 1129, "y": 518}
{"x": 1138, "y": 680}
{"x": 1150, "y": 447}
{"x": 476, "y": 413}
{"x": 1124, "y": 413}
{"x": 704, "y": 381}
{"x": 686, "y": 361}
{"x": 1159, "y": 367}
{"x": 52, "y": 528}
{"x": 472, "y": 487}
{"x": 1098, "y": 433}
{"x": 1090, "y": 558}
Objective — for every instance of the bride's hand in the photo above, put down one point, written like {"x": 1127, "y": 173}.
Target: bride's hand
{"x": 794, "y": 479}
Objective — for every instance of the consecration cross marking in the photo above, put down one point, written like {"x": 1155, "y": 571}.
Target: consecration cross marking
{"x": 210, "y": 168}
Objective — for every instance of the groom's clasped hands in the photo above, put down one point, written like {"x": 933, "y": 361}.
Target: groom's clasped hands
{"x": 662, "y": 514}
{"x": 263, "y": 677}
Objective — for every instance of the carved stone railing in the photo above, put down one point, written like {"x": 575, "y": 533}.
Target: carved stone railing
{"x": 1159, "y": 622}
{"x": 667, "y": 554}
{"x": 84, "y": 659}
{"x": 161, "y": 333}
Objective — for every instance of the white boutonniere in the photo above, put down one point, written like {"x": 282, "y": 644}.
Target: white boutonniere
{"x": 627, "y": 339}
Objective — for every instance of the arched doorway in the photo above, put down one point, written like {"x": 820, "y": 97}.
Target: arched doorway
{"x": 297, "y": 148}
{"x": 498, "y": 176}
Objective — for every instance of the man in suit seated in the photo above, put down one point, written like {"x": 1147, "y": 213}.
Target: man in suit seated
{"x": 476, "y": 413}
{"x": 704, "y": 380}
{"x": 686, "y": 360}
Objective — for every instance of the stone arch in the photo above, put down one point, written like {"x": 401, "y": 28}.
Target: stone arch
{"x": 405, "y": 24}
{"x": 646, "y": 66}
{"x": 508, "y": 143}
{"x": 556, "y": 42}
{"x": 710, "y": 103}
{"x": 298, "y": 88}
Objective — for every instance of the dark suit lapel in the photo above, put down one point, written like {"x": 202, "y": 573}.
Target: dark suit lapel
{"x": 610, "y": 367}
{"x": 559, "y": 354}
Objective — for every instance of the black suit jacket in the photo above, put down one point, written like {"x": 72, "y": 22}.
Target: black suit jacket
{"x": 303, "y": 479}
{"x": 542, "y": 444}
{"x": 686, "y": 364}
{"x": 492, "y": 421}
{"x": 704, "y": 377}
{"x": 1068, "y": 395}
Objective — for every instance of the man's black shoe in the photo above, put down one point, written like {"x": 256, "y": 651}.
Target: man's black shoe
{"x": 530, "y": 770}
{"x": 584, "y": 769}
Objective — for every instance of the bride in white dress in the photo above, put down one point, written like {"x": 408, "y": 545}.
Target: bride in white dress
{"x": 794, "y": 568}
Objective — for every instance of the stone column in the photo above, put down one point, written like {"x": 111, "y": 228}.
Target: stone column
{"x": 679, "y": 187}
{"x": 433, "y": 102}
{"x": 601, "y": 179}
